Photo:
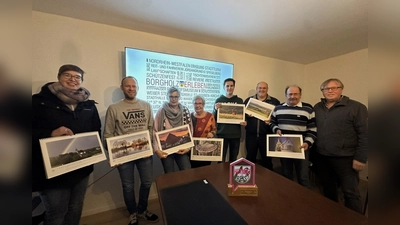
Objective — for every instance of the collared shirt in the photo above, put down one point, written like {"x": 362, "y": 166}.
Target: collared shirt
{"x": 300, "y": 104}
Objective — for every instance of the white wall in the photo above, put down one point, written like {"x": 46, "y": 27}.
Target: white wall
{"x": 15, "y": 44}
{"x": 350, "y": 68}
{"x": 98, "y": 49}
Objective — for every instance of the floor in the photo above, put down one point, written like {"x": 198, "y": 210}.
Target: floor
{"x": 120, "y": 216}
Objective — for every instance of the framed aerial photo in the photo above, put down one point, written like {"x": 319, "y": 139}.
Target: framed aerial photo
{"x": 129, "y": 147}
{"x": 260, "y": 110}
{"x": 207, "y": 149}
{"x": 231, "y": 113}
{"x": 68, "y": 153}
{"x": 175, "y": 139}
{"x": 285, "y": 146}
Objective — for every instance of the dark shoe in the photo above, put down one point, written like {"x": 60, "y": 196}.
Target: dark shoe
{"x": 148, "y": 216}
{"x": 133, "y": 219}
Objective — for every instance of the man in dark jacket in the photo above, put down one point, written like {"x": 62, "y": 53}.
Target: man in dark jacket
{"x": 257, "y": 130}
{"x": 342, "y": 143}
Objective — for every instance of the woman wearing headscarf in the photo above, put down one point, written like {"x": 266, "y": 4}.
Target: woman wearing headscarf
{"x": 172, "y": 114}
{"x": 62, "y": 108}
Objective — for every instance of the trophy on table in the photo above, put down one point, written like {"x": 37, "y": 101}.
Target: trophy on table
{"x": 242, "y": 178}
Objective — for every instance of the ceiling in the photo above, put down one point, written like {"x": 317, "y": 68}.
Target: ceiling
{"x": 302, "y": 31}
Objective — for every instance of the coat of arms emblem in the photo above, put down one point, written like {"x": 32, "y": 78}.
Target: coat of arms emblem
{"x": 242, "y": 173}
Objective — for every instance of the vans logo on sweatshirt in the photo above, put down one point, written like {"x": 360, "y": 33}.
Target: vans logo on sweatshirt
{"x": 134, "y": 114}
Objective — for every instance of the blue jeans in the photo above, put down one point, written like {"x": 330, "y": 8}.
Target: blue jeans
{"x": 338, "y": 171}
{"x": 182, "y": 161}
{"x": 301, "y": 166}
{"x": 233, "y": 144}
{"x": 126, "y": 173}
{"x": 64, "y": 205}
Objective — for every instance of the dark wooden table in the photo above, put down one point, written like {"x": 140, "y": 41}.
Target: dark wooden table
{"x": 279, "y": 201}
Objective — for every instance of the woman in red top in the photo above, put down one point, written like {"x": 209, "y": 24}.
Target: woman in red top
{"x": 203, "y": 126}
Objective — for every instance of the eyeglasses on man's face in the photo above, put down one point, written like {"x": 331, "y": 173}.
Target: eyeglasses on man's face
{"x": 326, "y": 89}
{"x": 173, "y": 97}
{"x": 69, "y": 76}
{"x": 197, "y": 103}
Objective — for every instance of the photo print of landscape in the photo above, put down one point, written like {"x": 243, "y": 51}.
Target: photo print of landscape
{"x": 259, "y": 109}
{"x": 71, "y": 150}
{"x": 68, "y": 153}
{"x": 129, "y": 144}
{"x": 172, "y": 140}
{"x": 129, "y": 147}
{"x": 231, "y": 113}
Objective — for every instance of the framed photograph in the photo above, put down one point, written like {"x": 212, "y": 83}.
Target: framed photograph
{"x": 285, "y": 146}
{"x": 231, "y": 113}
{"x": 175, "y": 139}
{"x": 129, "y": 147}
{"x": 207, "y": 149}
{"x": 68, "y": 153}
{"x": 260, "y": 110}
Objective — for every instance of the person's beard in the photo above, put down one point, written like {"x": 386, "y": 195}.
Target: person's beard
{"x": 129, "y": 97}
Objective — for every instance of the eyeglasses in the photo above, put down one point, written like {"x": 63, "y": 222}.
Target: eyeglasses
{"x": 69, "y": 76}
{"x": 197, "y": 103}
{"x": 175, "y": 97}
{"x": 330, "y": 89}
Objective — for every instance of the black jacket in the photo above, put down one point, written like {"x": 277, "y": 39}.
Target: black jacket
{"x": 48, "y": 114}
{"x": 225, "y": 130}
{"x": 256, "y": 127}
{"x": 342, "y": 129}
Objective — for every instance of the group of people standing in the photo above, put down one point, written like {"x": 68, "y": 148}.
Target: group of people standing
{"x": 336, "y": 129}
{"x": 336, "y": 125}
